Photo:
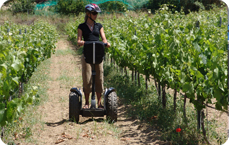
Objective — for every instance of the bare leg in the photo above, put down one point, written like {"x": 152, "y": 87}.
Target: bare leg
{"x": 86, "y": 100}
{"x": 98, "y": 98}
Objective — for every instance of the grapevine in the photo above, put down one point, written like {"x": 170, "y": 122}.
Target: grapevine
{"x": 22, "y": 49}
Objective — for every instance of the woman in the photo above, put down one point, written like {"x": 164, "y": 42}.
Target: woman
{"x": 90, "y": 31}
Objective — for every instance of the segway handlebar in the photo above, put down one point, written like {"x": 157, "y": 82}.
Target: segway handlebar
{"x": 96, "y": 42}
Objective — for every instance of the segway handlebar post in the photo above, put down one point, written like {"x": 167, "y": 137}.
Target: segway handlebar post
{"x": 93, "y": 102}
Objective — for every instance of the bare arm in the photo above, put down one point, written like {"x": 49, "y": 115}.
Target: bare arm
{"x": 79, "y": 38}
{"x": 104, "y": 37}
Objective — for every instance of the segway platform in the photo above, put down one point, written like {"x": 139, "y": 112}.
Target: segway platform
{"x": 97, "y": 112}
{"x": 93, "y": 53}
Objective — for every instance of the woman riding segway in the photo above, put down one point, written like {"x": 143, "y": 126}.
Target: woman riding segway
{"x": 90, "y": 31}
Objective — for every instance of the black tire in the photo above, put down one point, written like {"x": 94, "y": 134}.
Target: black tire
{"x": 74, "y": 107}
{"x": 111, "y": 107}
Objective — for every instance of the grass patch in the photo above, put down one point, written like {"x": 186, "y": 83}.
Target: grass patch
{"x": 21, "y": 130}
{"x": 67, "y": 80}
{"x": 144, "y": 105}
{"x": 111, "y": 129}
{"x": 80, "y": 51}
{"x": 60, "y": 52}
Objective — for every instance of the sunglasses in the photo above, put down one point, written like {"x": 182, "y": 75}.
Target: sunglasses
{"x": 94, "y": 13}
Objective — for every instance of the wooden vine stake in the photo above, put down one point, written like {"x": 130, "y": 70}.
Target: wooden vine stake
{"x": 203, "y": 129}
{"x": 146, "y": 82}
{"x": 174, "y": 100}
{"x": 135, "y": 76}
{"x": 184, "y": 111}
{"x": 155, "y": 82}
{"x": 220, "y": 21}
{"x": 163, "y": 97}
{"x": 132, "y": 75}
{"x": 159, "y": 91}
{"x": 125, "y": 71}
{"x": 139, "y": 84}
{"x": 198, "y": 120}
{"x": 21, "y": 88}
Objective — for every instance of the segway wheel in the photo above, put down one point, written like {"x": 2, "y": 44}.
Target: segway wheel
{"x": 74, "y": 107}
{"x": 111, "y": 107}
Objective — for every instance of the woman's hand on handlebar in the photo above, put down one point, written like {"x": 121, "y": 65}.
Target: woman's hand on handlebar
{"x": 108, "y": 45}
{"x": 81, "y": 42}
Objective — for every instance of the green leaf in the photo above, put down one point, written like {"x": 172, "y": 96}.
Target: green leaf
{"x": 220, "y": 84}
{"x": 16, "y": 80}
{"x": 182, "y": 77}
{"x": 4, "y": 66}
{"x": 199, "y": 75}
{"x": 16, "y": 66}
{"x": 19, "y": 107}
{"x": 134, "y": 37}
{"x": 30, "y": 100}
{"x": 203, "y": 59}
{"x": 188, "y": 88}
{"x": 216, "y": 73}
{"x": 197, "y": 47}
{"x": 218, "y": 106}
{"x": 217, "y": 94}
{"x": 11, "y": 111}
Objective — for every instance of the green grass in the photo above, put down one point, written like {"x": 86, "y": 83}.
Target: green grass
{"x": 64, "y": 52}
{"x": 144, "y": 104}
{"x": 80, "y": 51}
{"x": 68, "y": 81}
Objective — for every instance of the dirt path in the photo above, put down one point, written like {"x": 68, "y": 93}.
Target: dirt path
{"x": 65, "y": 72}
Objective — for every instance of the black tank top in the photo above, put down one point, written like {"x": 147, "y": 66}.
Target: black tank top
{"x": 89, "y": 35}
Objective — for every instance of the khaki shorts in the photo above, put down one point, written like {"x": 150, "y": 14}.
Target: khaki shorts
{"x": 87, "y": 77}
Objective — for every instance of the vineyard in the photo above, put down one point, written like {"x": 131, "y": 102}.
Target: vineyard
{"x": 184, "y": 52}
{"x": 167, "y": 51}
{"x": 22, "y": 49}
{"x": 187, "y": 53}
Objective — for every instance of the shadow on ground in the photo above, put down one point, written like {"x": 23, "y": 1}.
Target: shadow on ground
{"x": 136, "y": 131}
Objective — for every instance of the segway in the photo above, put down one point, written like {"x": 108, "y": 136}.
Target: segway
{"x": 94, "y": 52}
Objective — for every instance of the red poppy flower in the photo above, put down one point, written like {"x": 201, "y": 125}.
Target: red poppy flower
{"x": 178, "y": 130}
